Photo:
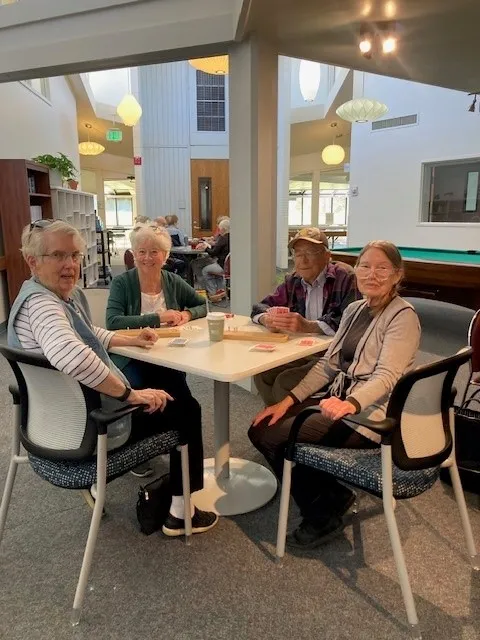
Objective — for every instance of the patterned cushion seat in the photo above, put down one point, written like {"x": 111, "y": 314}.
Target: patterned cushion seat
{"x": 81, "y": 475}
{"x": 363, "y": 468}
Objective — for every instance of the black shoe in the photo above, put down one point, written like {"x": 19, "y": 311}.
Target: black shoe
{"x": 310, "y": 535}
{"x": 202, "y": 521}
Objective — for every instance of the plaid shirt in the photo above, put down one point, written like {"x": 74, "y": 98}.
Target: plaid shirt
{"x": 339, "y": 291}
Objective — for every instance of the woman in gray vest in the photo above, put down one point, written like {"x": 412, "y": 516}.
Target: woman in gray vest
{"x": 51, "y": 316}
{"x": 374, "y": 346}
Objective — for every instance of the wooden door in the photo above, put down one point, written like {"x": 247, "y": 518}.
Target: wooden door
{"x": 210, "y": 195}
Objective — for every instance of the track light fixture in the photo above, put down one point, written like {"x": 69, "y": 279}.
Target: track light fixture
{"x": 378, "y": 37}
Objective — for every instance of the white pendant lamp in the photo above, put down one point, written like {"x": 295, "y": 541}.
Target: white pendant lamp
{"x": 333, "y": 153}
{"x": 362, "y": 110}
{"x": 309, "y": 79}
{"x": 216, "y": 65}
{"x": 90, "y": 148}
{"x": 129, "y": 110}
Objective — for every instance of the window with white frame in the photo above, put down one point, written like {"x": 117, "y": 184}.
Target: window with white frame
{"x": 210, "y": 102}
{"x": 300, "y": 208}
{"x": 39, "y": 85}
{"x": 118, "y": 211}
{"x": 333, "y": 207}
{"x": 450, "y": 192}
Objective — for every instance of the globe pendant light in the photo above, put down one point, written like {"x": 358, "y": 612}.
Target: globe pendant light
{"x": 333, "y": 153}
{"x": 90, "y": 148}
{"x": 309, "y": 79}
{"x": 362, "y": 110}
{"x": 216, "y": 65}
{"x": 129, "y": 110}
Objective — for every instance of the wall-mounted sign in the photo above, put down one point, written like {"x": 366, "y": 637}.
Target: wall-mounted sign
{"x": 137, "y": 160}
{"x": 114, "y": 135}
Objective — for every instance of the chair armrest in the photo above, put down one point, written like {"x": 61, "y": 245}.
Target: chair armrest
{"x": 103, "y": 418}
{"x": 382, "y": 427}
{"x": 14, "y": 390}
{"x": 295, "y": 428}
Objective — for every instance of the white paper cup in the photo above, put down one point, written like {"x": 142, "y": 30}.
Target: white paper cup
{"x": 216, "y": 325}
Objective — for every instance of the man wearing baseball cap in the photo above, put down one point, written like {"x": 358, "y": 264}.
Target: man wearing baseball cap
{"x": 311, "y": 300}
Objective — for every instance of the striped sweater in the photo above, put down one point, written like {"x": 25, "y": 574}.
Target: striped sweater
{"x": 42, "y": 326}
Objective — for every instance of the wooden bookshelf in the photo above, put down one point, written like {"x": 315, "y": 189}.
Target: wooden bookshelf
{"x": 23, "y": 184}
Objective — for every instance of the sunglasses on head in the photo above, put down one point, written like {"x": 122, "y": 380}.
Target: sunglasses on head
{"x": 41, "y": 224}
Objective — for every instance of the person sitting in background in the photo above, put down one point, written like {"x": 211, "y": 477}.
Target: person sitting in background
{"x": 50, "y": 316}
{"x": 374, "y": 346}
{"x": 172, "y": 263}
{"x": 209, "y": 270}
{"x": 217, "y": 233}
{"x": 142, "y": 220}
{"x": 316, "y": 294}
{"x": 179, "y": 237}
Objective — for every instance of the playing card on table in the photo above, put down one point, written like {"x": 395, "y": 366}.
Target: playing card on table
{"x": 307, "y": 342}
{"x": 263, "y": 346}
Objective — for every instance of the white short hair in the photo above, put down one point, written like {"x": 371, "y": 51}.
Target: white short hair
{"x": 224, "y": 225}
{"x": 33, "y": 237}
{"x": 158, "y": 235}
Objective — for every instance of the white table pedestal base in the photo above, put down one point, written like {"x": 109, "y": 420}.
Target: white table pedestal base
{"x": 249, "y": 487}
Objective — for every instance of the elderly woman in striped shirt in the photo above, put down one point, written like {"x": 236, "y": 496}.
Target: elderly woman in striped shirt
{"x": 51, "y": 316}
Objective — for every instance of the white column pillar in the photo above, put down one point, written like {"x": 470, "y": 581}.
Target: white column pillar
{"x": 253, "y": 171}
{"x": 315, "y": 197}
{"x": 283, "y": 158}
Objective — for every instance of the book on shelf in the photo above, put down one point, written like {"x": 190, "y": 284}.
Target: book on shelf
{"x": 35, "y": 213}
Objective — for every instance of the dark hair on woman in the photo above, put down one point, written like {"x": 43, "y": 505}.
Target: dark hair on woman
{"x": 393, "y": 256}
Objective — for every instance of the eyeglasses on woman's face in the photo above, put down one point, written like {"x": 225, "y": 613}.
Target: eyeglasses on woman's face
{"x": 61, "y": 257}
{"x": 381, "y": 273}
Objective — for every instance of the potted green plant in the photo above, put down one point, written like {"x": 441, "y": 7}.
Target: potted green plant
{"x": 62, "y": 169}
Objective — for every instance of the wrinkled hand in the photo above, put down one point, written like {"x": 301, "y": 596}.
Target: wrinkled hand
{"x": 201, "y": 246}
{"x": 153, "y": 399}
{"x": 335, "y": 409}
{"x": 186, "y": 317}
{"x": 266, "y": 321}
{"x": 145, "y": 339}
{"x": 291, "y": 321}
{"x": 171, "y": 317}
{"x": 276, "y": 411}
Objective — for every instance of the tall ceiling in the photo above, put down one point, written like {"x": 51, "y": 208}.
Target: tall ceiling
{"x": 439, "y": 41}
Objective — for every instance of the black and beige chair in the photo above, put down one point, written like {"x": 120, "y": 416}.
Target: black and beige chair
{"x": 63, "y": 429}
{"x": 416, "y": 442}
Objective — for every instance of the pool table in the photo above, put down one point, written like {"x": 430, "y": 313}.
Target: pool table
{"x": 441, "y": 274}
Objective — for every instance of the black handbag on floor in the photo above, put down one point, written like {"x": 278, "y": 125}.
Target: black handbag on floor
{"x": 153, "y": 504}
{"x": 467, "y": 448}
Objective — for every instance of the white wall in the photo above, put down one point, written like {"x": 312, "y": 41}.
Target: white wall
{"x": 386, "y": 166}
{"x": 30, "y": 126}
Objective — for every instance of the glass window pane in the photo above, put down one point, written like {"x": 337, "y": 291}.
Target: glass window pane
{"x": 110, "y": 212}
{"x": 205, "y": 203}
{"x": 124, "y": 212}
{"x": 307, "y": 210}
{"x": 450, "y": 192}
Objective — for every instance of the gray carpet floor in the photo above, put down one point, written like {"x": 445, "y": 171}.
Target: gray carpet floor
{"x": 226, "y": 584}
